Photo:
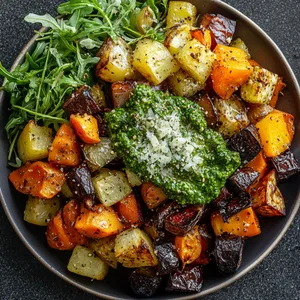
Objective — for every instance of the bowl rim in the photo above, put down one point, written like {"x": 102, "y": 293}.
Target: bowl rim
{"x": 227, "y": 282}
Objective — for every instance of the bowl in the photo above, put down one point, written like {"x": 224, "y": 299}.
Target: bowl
{"x": 115, "y": 286}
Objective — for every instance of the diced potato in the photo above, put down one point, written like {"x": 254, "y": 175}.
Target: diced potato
{"x": 66, "y": 192}
{"x": 111, "y": 186}
{"x": 41, "y": 211}
{"x": 232, "y": 116}
{"x": 177, "y": 37}
{"x": 84, "y": 262}
{"x": 104, "y": 248}
{"x": 260, "y": 87}
{"x": 34, "y": 142}
{"x": 153, "y": 60}
{"x": 153, "y": 196}
{"x": 239, "y": 43}
{"x": 182, "y": 84}
{"x": 98, "y": 95}
{"x": 100, "y": 154}
{"x": 268, "y": 200}
{"x": 181, "y": 12}
{"x": 197, "y": 60}
{"x": 134, "y": 249}
{"x": 115, "y": 61}
{"x": 145, "y": 19}
{"x": 133, "y": 179}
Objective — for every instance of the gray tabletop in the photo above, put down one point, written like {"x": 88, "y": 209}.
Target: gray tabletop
{"x": 277, "y": 277}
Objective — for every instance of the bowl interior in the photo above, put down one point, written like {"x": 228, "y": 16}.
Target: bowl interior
{"x": 115, "y": 285}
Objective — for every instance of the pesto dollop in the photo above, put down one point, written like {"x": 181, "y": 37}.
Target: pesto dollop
{"x": 165, "y": 140}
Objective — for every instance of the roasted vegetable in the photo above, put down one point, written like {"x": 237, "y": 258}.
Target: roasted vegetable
{"x": 267, "y": 201}
{"x": 65, "y": 150}
{"x": 111, "y": 186}
{"x": 285, "y": 165}
{"x": 244, "y": 223}
{"x": 177, "y": 37}
{"x": 154, "y": 61}
{"x": 99, "y": 223}
{"x": 188, "y": 280}
{"x": 41, "y": 211}
{"x": 133, "y": 249}
{"x": 246, "y": 143}
{"x": 276, "y": 132}
{"x": 221, "y": 202}
{"x": 259, "y": 164}
{"x": 181, "y": 221}
{"x": 34, "y": 142}
{"x": 105, "y": 249}
{"x": 236, "y": 205}
{"x": 196, "y": 60}
{"x": 280, "y": 85}
{"x": 203, "y": 36}
{"x": 144, "y": 282}
{"x": 115, "y": 61}
{"x": 85, "y": 263}
{"x": 167, "y": 256}
{"x": 145, "y": 19}
{"x": 260, "y": 87}
{"x": 206, "y": 246}
{"x": 206, "y": 103}
{"x": 121, "y": 92}
{"x": 222, "y": 29}
{"x": 189, "y": 246}
{"x": 133, "y": 179}
{"x": 239, "y": 43}
{"x": 152, "y": 195}
{"x": 256, "y": 112}
{"x": 66, "y": 192}
{"x": 231, "y": 69}
{"x": 38, "y": 179}
{"x": 81, "y": 102}
{"x": 228, "y": 253}
{"x": 86, "y": 127}
{"x": 232, "y": 116}
{"x": 181, "y": 12}
{"x": 98, "y": 95}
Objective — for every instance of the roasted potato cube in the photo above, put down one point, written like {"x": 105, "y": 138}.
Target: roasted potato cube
{"x": 232, "y": 116}
{"x": 115, "y": 61}
{"x": 246, "y": 143}
{"x": 145, "y": 19}
{"x": 121, "y": 92}
{"x": 153, "y": 196}
{"x": 181, "y": 12}
{"x": 99, "y": 155}
{"x": 111, "y": 186}
{"x": 153, "y": 60}
{"x": 197, "y": 60}
{"x": 105, "y": 249}
{"x": 285, "y": 165}
{"x": 256, "y": 112}
{"x": 41, "y": 211}
{"x": 133, "y": 249}
{"x": 84, "y": 262}
{"x": 133, "y": 179}
{"x": 260, "y": 87}
{"x": 34, "y": 142}
{"x": 182, "y": 84}
{"x": 66, "y": 192}
{"x": 268, "y": 200}
{"x": 98, "y": 95}
{"x": 239, "y": 43}
{"x": 208, "y": 107}
{"x": 177, "y": 37}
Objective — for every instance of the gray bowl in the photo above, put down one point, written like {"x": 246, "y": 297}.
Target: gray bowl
{"x": 115, "y": 285}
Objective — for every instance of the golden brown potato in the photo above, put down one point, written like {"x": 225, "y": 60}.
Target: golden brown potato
{"x": 239, "y": 43}
{"x": 145, "y": 19}
{"x": 208, "y": 107}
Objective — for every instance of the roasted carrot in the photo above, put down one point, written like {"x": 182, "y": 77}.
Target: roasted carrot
{"x": 152, "y": 195}
{"x": 254, "y": 63}
{"x": 65, "y": 149}
{"x": 16, "y": 178}
{"x": 203, "y": 36}
{"x": 278, "y": 88}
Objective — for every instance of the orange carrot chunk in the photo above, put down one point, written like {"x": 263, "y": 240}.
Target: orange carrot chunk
{"x": 153, "y": 196}
{"x": 278, "y": 88}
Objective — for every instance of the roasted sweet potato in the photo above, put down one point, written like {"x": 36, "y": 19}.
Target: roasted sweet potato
{"x": 65, "y": 149}
{"x": 228, "y": 253}
{"x": 256, "y": 112}
{"x": 210, "y": 112}
{"x": 152, "y": 195}
{"x": 267, "y": 201}
{"x": 57, "y": 236}
{"x": 244, "y": 223}
{"x": 99, "y": 223}
{"x": 81, "y": 102}
{"x": 167, "y": 256}
{"x": 189, "y": 246}
{"x": 129, "y": 211}
{"x": 259, "y": 164}
{"x": 203, "y": 36}
{"x": 278, "y": 88}
{"x": 231, "y": 69}
{"x": 246, "y": 143}
{"x": 276, "y": 132}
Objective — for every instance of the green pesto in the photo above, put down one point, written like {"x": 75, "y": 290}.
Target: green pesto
{"x": 164, "y": 139}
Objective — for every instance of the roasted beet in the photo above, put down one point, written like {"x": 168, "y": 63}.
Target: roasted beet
{"x": 228, "y": 253}
{"x": 241, "y": 180}
{"x": 80, "y": 183}
{"x": 222, "y": 29}
{"x": 188, "y": 280}
{"x": 183, "y": 220}
{"x": 285, "y": 165}
{"x": 102, "y": 126}
{"x": 167, "y": 258}
{"x": 236, "y": 205}
{"x": 81, "y": 102}
{"x": 144, "y": 282}
{"x": 221, "y": 202}
{"x": 210, "y": 112}
{"x": 246, "y": 142}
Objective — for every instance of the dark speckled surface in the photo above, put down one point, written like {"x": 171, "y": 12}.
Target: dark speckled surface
{"x": 277, "y": 277}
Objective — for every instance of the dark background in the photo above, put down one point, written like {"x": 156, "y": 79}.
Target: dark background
{"x": 277, "y": 277}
